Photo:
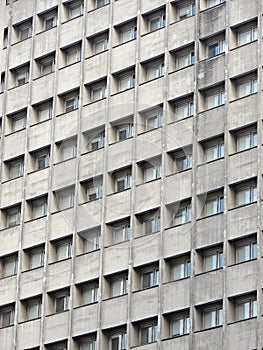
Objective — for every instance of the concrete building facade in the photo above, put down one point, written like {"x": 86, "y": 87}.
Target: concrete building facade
{"x": 131, "y": 175}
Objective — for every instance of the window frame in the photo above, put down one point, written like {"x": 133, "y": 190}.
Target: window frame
{"x": 252, "y": 189}
{"x": 64, "y": 297}
{"x": 124, "y": 78}
{"x": 211, "y": 253}
{"x": 154, "y": 277}
{"x": 217, "y": 311}
{"x": 190, "y": 10}
{"x": 184, "y": 324}
{"x": 91, "y": 287}
{"x": 71, "y": 103}
{"x": 252, "y": 307}
{"x": 151, "y": 334}
{"x": 253, "y": 139}
{"x": 159, "y": 19}
{"x": 11, "y": 311}
{"x": 251, "y": 254}
{"x": 183, "y": 213}
{"x": 59, "y": 247}
{"x": 67, "y": 195}
{"x": 124, "y": 177}
{"x": 218, "y": 199}
{"x": 10, "y": 261}
{"x": 16, "y": 164}
{"x": 183, "y": 264}
{"x": 42, "y": 204}
{"x": 215, "y": 98}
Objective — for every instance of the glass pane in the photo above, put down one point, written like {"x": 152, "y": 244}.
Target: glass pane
{"x": 244, "y": 37}
{"x": 243, "y": 311}
{"x": 243, "y": 253}
{"x": 182, "y": 111}
{"x": 155, "y": 24}
{"x": 210, "y": 262}
{"x": 254, "y": 308}
{"x": 212, "y": 101}
{"x": 211, "y": 207}
{"x": 243, "y": 197}
{"x": 33, "y": 310}
{"x": 212, "y": 153}
{"x": 89, "y": 295}
{"x": 36, "y": 259}
{"x": 209, "y": 319}
{"x": 178, "y": 327}
{"x": 63, "y": 251}
{"x": 91, "y": 241}
{"x": 254, "y": 250}
{"x": 178, "y": 271}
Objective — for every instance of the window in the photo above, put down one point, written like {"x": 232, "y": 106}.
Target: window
{"x": 91, "y": 240}
{"x": 184, "y": 109}
{"x": 94, "y": 189}
{"x": 5, "y": 38}
{"x": 71, "y": 103}
{"x": 128, "y": 32}
{"x": 61, "y": 301}
{"x": 73, "y": 54}
{"x": 213, "y": 259}
{"x": 39, "y": 207}
{"x": 123, "y": 179}
{"x": 89, "y": 292}
{"x": 36, "y": 257}
{"x": 216, "y": 48}
{"x": 154, "y": 121}
{"x": 16, "y": 168}
{"x": 120, "y": 231}
{"x": 212, "y": 317}
{"x": 246, "y": 307}
{"x": 186, "y": 10}
{"x": 154, "y": 70}
{"x": 87, "y": 344}
{"x": 150, "y": 277}
{"x": 246, "y": 140}
{"x": 42, "y": 159}
{"x": 215, "y": 98}
{"x": 126, "y": 81}
{"x": 183, "y": 214}
{"x": 185, "y": 58}
{"x": 65, "y": 198}
{"x": 247, "y": 34}
{"x": 246, "y": 194}
{"x": 47, "y": 64}
{"x": 183, "y": 160}
{"x": 156, "y": 21}
{"x": 7, "y": 316}
{"x": 180, "y": 324}
{"x": 148, "y": 333}
{"x": 13, "y": 217}
{"x": 246, "y": 249}
{"x": 75, "y": 9}
{"x": 118, "y": 341}
{"x": 68, "y": 149}
{"x": 10, "y": 265}
{"x": 247, "y": 88}
{"x": 33, "y": 308}
{"x": 100, "y": 3}
{"x": 152, "y": 170}
{"x": 44, "y": 111}
{"x": 214, "y": 150}
{"x": 97, "y": 141}
{"x": 124, "y": 131}
{"x": 18, "y": 121}
{"x": 25, "y": 31}
{"x": 63, "y": 249}
{"x": 2, "y": 82}
{"x": 100, "y": 43}
{"x": 50, "y": 20}
{"x": 211, "y": 3}
{"x": 180, "y": 268}
{"x": 118, "y": 285}
{"x": 22, "y": 76}
{"x": 214, "y": 204}
{"x": 151, "y": 223}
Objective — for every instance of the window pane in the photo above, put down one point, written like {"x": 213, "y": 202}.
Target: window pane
{"x": 210, "y": 262}
{"x": 178, "y": 327}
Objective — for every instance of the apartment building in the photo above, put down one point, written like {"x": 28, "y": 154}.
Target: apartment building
{"x": 131, "y": 175}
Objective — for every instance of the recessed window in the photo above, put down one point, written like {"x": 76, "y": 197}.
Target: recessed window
{"x": 246, "y": 139}
{"x": 100, "y": 43}
{"x": 184, "y": 108}
{"x": 16, "y": 168}
{"x": 246, "y": 87}
{"x": 214, "y": 204}
{"x": 44, "y": 111}
{"x": 212, "y": 316}
{"x": 75, "y": 9}
{"x": 46, "y": 64}
{"x": 150, "y": 277}
{"x": 33, "y": 308}
{"x": 213, "y": 258}
{"x": 89, "y": 292}
{"x": 13, "y": 216}
{"x": 246, "y": 307}
{"x": 9, "y": 264}
{"x": 246, "y": 249}
{"x": 154, "y": 121}
{"x": 91, "y": 240}
{"x": 183, "y": 159}
{"x": 211, "y": 3}
{"x": 87, "y": 342}
{"x": 122, "y": 179}
{"x": 65, "y": 198}
{"x": 22, "y": 75}
{"x": 154, "y": 69}
{"x": 63, "y": 249}
{"x": 152, "y": 169}
{"x": 124, "y": 131}
{"x": 120, "y": 231}
{"x": 7, "y": 315}
{"x": 24, "y": 30}
{"x": 126, "y": 81}
{"x": 97, "y": 141}
{"x": 118, "y": 285}
{"x": 214, "y": 149}
{"x": 71, "y": 102}
{"x": 100, "y": 3}
{"x": 183, "y": 213}
{"x": 98, "y": 90}
{"x": 68, "y": 149}
{"x": 186, "y": 10}
{"x": 151, "y": 222}
{"x": 246, "y": 194}
{"x": 42, "y": 159}
{"x": 73, "y": 54}
{"x": 184, "y": 57}
{"x": 39, "y": 207}
{"x": 49, "y": 19}
{"x": 156, "y": 21}
{"x": 61, "y": 301}
{"x": 180, "y": 267}
{"x": 18, "y": 121}
{"x": 118, "y": 340}
{"x": 148, "y": 333}
{"x": 5, "y": 38}
{"x": 247, "y": 33}
{"x": 128, "y": 32}
{"x": 179, "y": 323}
{"x": 36, "y": 257}
{"x": 94, "y": 189}
{"x": 215, "y": 98}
